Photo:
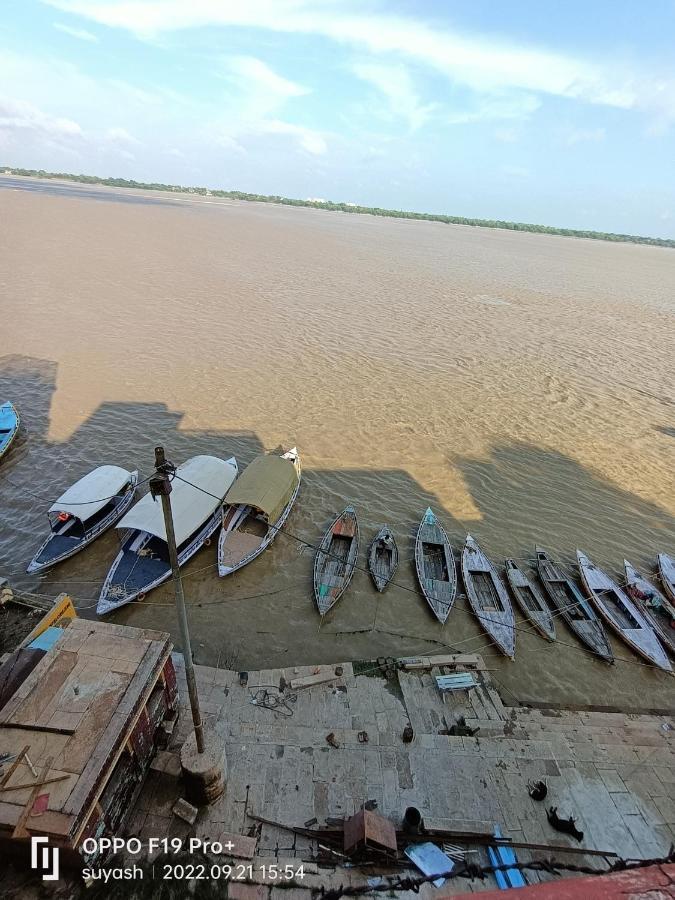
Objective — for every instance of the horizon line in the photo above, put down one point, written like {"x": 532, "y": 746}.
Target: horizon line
{"x": 342, "y": 206}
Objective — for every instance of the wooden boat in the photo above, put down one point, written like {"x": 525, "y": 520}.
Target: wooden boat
{"x": 256, "y": 507}
{"x": 198, "y": 488}
{"x": 87, "y": 509}
{"x": 666, "y": 566}
{"x": 335, "y": 560}
{"x": 529, "y": 599}
{"x": 619, "y": 611}
{"x": 488, "y": 597}
{"x": 573, "y": 607}
{"x": 435, "y": 566}
{"x": 657, "y": 608}
{"x": 9, "y": 426}
{"x": 383, "y": 558}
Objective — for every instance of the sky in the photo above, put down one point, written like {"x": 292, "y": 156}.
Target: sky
{"x": 526, "y": 110}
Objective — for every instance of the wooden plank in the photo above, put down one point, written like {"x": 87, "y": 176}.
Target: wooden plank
{"x": 51, "y": 822}
{"x": 113, "y": 647}
{"x": 39, "y": 688}
{"x": 117, "y": 731}
{"x": 14, "y": 766}
{"x": 310, "y": 680}
{"x": 81, "y": 823}
{"x": 20, "y": 827}
{"x": 83, "y": 743}
{"x": 30, "y": 784}
{"x": 417, "y": 663}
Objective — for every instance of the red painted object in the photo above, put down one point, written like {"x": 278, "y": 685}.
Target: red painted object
{"x": 650, "y": 883}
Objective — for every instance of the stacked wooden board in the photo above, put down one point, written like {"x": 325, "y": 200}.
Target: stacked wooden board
{"x": 88, "y": 712}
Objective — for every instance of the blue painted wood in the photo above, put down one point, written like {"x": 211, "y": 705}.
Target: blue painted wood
{"x": 458, "y": 682}
{"x": 501, "y": 855}
{"x": 430, "y": 860}
{"x": 47, "y": 639}
{"x": 9, "y": 426}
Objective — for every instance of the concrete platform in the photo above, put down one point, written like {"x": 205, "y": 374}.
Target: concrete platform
{"x": 615, "y": 773}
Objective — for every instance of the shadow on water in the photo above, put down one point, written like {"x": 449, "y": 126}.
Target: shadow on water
{"x": 527, "y": 487}
{"x": 264, "y": 616}
{"x": 85, "y": 192}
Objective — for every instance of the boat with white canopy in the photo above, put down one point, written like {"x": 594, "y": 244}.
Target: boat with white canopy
{"x": 87, "y": 509}
{"x": 198, "y": 488}
{"x": 256, "y": 507}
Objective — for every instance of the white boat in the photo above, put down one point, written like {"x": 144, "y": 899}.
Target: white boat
{"x": 655, "y": 605}
{"x": 619, "y": 611}
{"x": 666, "y": 566}
{"x": 256, "y": 507}
{"x": 89, "y": 507}
{"x": 198, "y": 488}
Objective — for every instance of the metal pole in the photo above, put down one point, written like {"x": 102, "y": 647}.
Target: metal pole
{"x": 160, "y": 484}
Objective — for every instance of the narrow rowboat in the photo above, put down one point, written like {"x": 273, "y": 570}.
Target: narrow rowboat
{"x": 573, "y": 606}
{"x": 435, "y": 566}
{"x": 666, "y": 566}
{"x": 383, "y": 558}
{"x": 198, "y": 488}
{"x": 335, "y": 560}
{"x": 9, "y": 426}
{"x": 89, "y": 507}
{"x": 658, "y": 609}
{"x": 488, "y": 597}
{"x": 530, "y": 600}
{"x": 619, "y": 611}
{"x": 256, "y": 507}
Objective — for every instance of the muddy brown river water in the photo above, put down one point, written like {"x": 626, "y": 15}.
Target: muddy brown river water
{"x": 520, "y": 384}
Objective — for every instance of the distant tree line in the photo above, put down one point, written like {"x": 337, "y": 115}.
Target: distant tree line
{"x": 345, "y": 207}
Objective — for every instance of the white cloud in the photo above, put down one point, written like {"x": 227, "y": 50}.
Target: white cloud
{"x": 259, "y": 90}
{"x": 17, "y": 115}
{"x": 497, "y": 106}
{"x": 79, "y": 33}
{"x": 228, "y": 143}
{"x": 257, "y": 76}
{"x": 311, "y": 141}
{"x": 483, "y": 64}
{"x": 255, "y": 107}
{"x": 506, "y": 135}
{"x": 395, "y": 84}
{"x": 581, "y": 135}
{"x": 121, "y": 136}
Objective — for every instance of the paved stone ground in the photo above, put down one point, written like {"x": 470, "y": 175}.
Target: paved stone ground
{"x": 615, "y": 773}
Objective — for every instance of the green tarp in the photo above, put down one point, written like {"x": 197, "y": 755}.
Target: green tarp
{"x": 266, "y": 484}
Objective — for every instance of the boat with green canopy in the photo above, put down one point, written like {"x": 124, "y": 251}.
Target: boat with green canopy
{"x": 256, "y": 507}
